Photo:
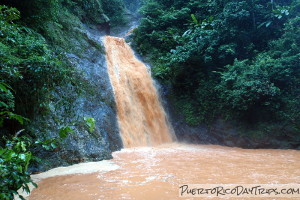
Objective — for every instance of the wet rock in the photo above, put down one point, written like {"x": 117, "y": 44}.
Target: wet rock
{"x": 68, "y": 108}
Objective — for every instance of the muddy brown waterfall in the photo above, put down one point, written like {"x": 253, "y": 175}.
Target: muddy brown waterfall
{"x": 155, "y": 173}
{"x": 141, "y": 117}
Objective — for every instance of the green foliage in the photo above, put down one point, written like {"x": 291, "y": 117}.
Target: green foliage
{"x": 29, "y": 71}
{"x": 232, "y": 59}
{"x": 46, "y": 144}
{"x": 8, "y": 15}
{"x": 90, "y": 10}
{"x": 27, "y": 65}
{"x": 244, "y": 85}
{"x": 11, "y": 115}
{"x": 194, "y": 19}
{"x": 14, "y": 161}
{"x": 15, "y": 157}
{"x": 90, "y": 122}
{"x": 189, "y": 31}
{"x": 7, "y": 105}
{"x": 32, "y": 66}
{"x": 269, "y": 83}
{"x": 6, "y": 100}
{"x": 62, "y": 22}
{"x": 187, "y": 108}
{"x": 203, "y": 105}
{"x": 114, "y": 10}
{"x": 65, "y": 131}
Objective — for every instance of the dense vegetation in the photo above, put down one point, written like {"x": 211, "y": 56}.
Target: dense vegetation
{"x": 234, "y": 60}
{"x": 34, "y": 36}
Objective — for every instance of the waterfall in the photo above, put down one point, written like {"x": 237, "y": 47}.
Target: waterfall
{"x": 141, "y": 117}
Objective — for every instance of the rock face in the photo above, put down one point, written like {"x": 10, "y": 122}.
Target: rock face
{"x": 68, "y": 107}
{"x": 91, "y": 96}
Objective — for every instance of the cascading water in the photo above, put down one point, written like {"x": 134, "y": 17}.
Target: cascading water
{"x": 141, "y": 117}
{"x": 152, "y": 173}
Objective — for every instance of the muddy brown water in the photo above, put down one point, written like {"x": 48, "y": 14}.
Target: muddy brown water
{"x": 147, "y": 173}
{"x": 141, "y": 117}
{"x": 155, "y": 173}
